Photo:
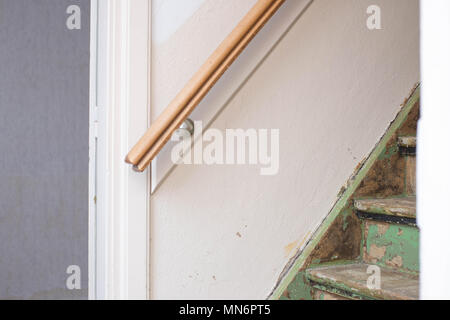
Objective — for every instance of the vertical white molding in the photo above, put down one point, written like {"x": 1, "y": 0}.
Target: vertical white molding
{"x": 122, "y": 239}
{"x": 93, "y": 133}
{"x": 149, "y": 119}
{"x": 138, "y": 187}
{"x": 433, "y": 156}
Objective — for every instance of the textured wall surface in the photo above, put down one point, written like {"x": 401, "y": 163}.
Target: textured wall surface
{"x": 44, "y": 118}
{"x": 331, "y": 86}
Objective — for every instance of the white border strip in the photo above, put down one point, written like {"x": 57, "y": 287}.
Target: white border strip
{"x": 433, "y": 155}
{"x": 121, "y": 224}
{"x": 93, "y": 121}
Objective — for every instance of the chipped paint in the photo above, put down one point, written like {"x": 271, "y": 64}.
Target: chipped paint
{"x": 389, "y": 175}
{"x": 396, "y": 261}
{"x": 382, "y": 174}
{"x": 351, "y": 281}
{"x": 397, "y": 247}
{"x": 376, "y": 253}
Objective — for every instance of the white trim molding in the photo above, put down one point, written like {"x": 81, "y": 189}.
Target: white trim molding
{"x": 119, "y": 237}
{"x": 433, "y": 155}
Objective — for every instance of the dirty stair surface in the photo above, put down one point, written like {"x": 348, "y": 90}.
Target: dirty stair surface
{"x": 407, "y": 141}
{"x": 390, "y": 242}
{"x": 403, "y": 207}
{"x": 351, "y": 281}
{"x": 375, "y": 230}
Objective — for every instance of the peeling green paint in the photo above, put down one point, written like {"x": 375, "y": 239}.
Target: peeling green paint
{"x": 401, "y": 245}
{"x": 293, "y": 284}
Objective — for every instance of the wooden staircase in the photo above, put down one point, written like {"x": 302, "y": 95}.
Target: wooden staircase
{"x": 375, "y": 235}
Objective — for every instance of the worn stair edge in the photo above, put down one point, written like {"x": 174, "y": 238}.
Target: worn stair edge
{"x": 390, "y": 210}
{"x": 407, "y": 141}
{"x": 407, "y": 145}
{"x": 400, "y": 207}
{"x": 351, "y": 281}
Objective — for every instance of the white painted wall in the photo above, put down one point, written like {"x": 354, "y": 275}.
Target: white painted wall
{"x": 182, "y": 54}
{"x": 331, "y": 86}
{"x": 170, "y": 15}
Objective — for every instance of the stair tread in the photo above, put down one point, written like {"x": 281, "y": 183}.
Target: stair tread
{"x": 401, "y": 207}
{"x": 407, "y": 141}
{"x": 395, "y": 285}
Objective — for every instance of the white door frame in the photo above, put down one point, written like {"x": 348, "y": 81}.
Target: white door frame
{"x": 433, "y": 156}
{"x": 119, "y": 114}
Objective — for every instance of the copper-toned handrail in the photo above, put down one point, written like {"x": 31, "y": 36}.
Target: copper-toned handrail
{"x": 195, "y": 90}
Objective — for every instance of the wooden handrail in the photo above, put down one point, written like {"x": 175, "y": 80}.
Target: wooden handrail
{"x": 199, "y": 85}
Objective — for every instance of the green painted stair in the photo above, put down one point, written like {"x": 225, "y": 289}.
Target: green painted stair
{"x": 370, "y": 230}
{"x": 350, "y": 281}
{"x": 395, "y": 210}
{"x": 390, "y": 244}
{"x": 397, "y": 207}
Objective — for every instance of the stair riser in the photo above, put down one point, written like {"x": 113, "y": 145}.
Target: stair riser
{"x": 407, "y": 151}
{"x": 392, "y": 219}
{"x": 391, "y": 245}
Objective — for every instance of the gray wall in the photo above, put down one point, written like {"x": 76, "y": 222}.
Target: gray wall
{"x": 44, "y": 118}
